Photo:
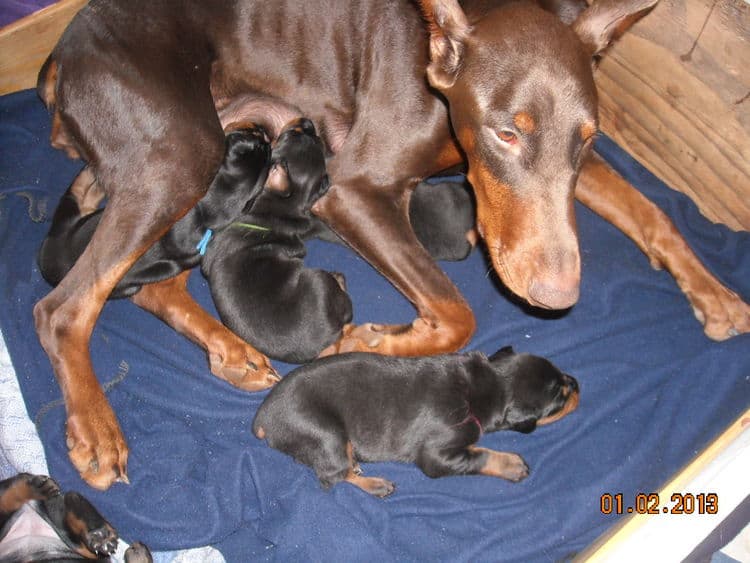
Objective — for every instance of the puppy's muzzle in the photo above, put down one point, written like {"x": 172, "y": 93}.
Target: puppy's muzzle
{"x": 571, "y": 392}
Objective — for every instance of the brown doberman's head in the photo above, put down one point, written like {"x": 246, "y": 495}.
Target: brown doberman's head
{"x": 523, "y": 105}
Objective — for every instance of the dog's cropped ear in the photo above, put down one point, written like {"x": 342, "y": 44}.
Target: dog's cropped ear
{"x": 503, "y": 352}
{"x": 605, "y": 20}
{"x": 448, "y": 28}
{"x": 278, "y": 179}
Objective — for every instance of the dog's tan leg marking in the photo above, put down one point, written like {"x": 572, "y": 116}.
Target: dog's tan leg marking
{"x": 231, "y": 358}
{"x": 505, "y": 465}
{"x": 375, "y": 486}
{"x": 721, "y": 311}
{"x": 64, "y": 321}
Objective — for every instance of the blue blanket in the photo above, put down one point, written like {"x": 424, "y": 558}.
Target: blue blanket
{"x": 654, "y": 391}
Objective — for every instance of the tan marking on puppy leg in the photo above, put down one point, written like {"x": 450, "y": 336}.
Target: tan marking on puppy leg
{"x": 15, "y": 496}
{"x": 505, "y": 465}
{"x": 375, "y": 486}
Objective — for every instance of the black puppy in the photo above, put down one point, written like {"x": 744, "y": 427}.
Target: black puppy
{"x": 239, "y": 180}
{"x": 260, "y": 285}
{"x": 39, "y": 523}
{"x": 443, "y": 216}
{"x": 337, "y": 411}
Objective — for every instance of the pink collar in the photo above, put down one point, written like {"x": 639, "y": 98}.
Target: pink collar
{"x": 473, "y": 418}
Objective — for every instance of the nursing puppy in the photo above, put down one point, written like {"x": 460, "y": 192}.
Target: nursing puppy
{"x": 239, "y": 180}
{"x": 259, "y": 283}
{"x": 443, "y": 216}
{"x": 337, "y": 411}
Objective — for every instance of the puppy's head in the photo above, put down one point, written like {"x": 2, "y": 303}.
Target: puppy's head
{"x": 298, "y": 167}
{"x": 239, "y": 181}
{"x": 536, "y": 392}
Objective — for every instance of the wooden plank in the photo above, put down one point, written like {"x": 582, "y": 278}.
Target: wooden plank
{"x": 25, "y": 44}
{"x": 675, "y": 93}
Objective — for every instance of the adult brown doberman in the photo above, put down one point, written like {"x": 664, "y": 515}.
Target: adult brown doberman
{"x": 142, "y": 89}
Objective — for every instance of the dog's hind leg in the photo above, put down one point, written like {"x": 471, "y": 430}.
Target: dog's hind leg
{"x": 720, "y": 310}
{"x": 230, "y": 357}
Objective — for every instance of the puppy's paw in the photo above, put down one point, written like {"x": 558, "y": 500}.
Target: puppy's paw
{"x": 376, "y": 486}
{"x": 504, "y": 465}
{"x": 102, "y": 540}
{"x": 515, "y": 468}
{"x": 43, "y": 487}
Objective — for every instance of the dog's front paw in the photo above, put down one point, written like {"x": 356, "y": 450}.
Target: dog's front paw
{"x": 367, "y": 337}
{"x": 721, "y": 311}
{"x": 239, "y": 364}
{"x": 96, "y": 446}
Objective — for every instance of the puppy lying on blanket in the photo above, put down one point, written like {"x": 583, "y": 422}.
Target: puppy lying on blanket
{"x": 236, "y": 184}
{"x": 39, "y": 523}
{"x": 260, "y": 285}
{"x": 337, "y": 411}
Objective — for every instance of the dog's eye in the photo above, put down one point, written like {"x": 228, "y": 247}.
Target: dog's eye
{"x": 507, "y": 136}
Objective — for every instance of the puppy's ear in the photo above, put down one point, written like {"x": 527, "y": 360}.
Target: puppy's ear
{"x": 278, "y": 179}
{"x": 503, "y": 352}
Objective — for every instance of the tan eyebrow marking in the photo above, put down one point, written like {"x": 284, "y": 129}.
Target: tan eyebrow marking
{"x": 524, "y": 122}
